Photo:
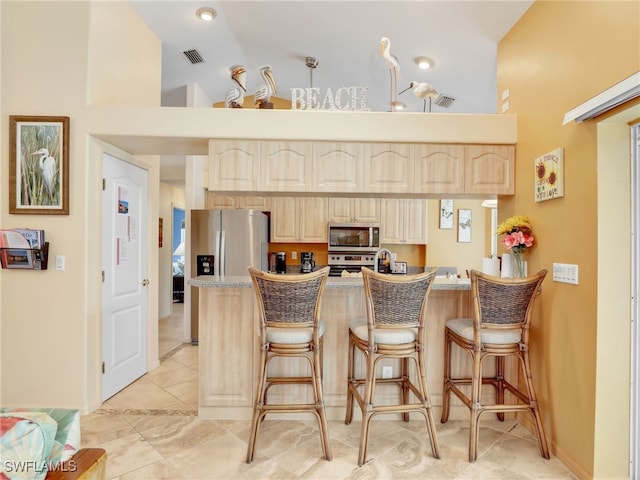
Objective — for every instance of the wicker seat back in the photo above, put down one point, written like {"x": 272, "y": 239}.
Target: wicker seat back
{"x": 397, "y": 303}
{"x": 289, "y": 302}
{"x": 504, "y": 302}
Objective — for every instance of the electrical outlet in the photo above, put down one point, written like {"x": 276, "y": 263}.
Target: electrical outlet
{"x": 387, "y": 371}
{"x": 565, "y": 273}
{"x": 294, "y": 255}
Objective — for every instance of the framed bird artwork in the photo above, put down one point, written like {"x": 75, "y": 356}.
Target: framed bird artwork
{"x": 39, "y": 165}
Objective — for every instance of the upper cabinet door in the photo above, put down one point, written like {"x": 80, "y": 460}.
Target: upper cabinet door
{"x": 388, "y": 167}
{"x": 490, "y": 169}
{"x": 285, "y": 166}
{"x": 439, "y": 169}
{"x": 233, "y": 165}
{"x": 337, "y": 167}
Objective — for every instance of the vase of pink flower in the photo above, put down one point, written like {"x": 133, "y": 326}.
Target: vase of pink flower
{"x": 517, "y": 236}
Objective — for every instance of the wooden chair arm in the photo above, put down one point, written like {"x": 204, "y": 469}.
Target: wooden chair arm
{"x": 86, "y": 464}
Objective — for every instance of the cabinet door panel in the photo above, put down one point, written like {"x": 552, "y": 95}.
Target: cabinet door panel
{"x": 313, "y": 216}
{"x": 415, "y": 216}
{"x": 337, "y": 167}
{"x": 285, "y": 166}
{"x": 214, "y": 201}
{"x": 490, "y": 169}
{"x": 391, "y": 220}
{"x": 254, "y": 202}
{"x": 233, "y": 165}
{"x": 284, "y": 224}
{"x": 388, "y": 167}
{"x": 340, "y": 209}
{"x": 439, "y": 169}
{"x": 366, "y": 209}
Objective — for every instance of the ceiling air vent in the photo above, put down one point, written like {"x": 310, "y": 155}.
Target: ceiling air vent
{"x": 193, "y": 56}
{"x": 444, "y": 101}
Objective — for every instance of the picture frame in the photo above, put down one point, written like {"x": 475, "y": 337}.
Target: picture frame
{"x": 446, "y": 214}
{"x": 549, "y": 176}
{"x": 38, "y": 165}
{"x": 464, "y": 225}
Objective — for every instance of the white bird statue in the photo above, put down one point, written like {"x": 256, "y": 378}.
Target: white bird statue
{"x": 263, "y": 94}
{"x": 238, "y": 75}
{"x": 234, "y": 98}
{"x": 48, "y": 167}
{"x": 423, "y": 90}
{"x": 394, "y": 67}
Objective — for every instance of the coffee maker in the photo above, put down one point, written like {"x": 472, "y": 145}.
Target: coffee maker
{"x": 306, "y": 262}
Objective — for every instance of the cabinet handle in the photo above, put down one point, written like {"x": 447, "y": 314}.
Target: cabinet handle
{"x": 145, "y": 282}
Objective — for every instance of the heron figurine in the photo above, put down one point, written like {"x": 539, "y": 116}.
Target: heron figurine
{"x": 48, "y": 167}
{"x": 423, "y": 90}
{"x": 394, "y": 67}
{"x": 263, "y": 94}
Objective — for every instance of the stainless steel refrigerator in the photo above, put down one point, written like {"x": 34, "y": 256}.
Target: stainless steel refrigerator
{"x": 237, "y": 239}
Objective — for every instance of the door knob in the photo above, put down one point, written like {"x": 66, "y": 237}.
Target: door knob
{"x": 145, "y": 282}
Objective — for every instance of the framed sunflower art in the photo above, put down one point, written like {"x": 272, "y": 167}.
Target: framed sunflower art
{"x": 549, "y": 176}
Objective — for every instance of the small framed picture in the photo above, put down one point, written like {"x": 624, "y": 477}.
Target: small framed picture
{"x": 17, "y": 258}
{"x": 39, "y": 165}
{"x": 464, "y": 225}
{"x": 446, "y": 214}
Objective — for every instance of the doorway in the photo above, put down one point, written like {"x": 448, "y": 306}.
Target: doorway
{"x": 125, "y": 276}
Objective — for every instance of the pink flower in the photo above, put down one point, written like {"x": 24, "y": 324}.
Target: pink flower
{"x": 528, "y": 241}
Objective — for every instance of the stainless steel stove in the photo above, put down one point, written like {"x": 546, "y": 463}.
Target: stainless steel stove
{"x": 351, "y": 262}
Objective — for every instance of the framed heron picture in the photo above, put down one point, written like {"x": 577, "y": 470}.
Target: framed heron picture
{"x": 39, "y": 165}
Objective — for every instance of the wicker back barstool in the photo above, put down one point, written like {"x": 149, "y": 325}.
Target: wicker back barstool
{"x": 289, "y": 307}
{"x": 393, "y": 329}
{"x": 502, "y": 310}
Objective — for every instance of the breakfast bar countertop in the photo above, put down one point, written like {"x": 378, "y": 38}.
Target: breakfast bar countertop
{"x": 244, "y": 281}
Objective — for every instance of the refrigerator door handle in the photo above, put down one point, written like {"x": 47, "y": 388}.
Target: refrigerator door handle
{"x": 223, "y": 253}
{"x": 216, "y": 258}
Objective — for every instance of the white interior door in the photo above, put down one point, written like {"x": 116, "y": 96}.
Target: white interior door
{"x": 124, "y": 264}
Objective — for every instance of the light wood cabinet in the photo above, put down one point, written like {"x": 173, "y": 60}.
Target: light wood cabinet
{"x": 285, "y": 166}
{"x": 354, "y": 209}
{"x": 299, "y": 219}
{"x": 234, "y": 165}
{"x": 250, "y": 202}
{"x": 403, "y": 220}
{"x": 490, "y": 169}
{"x": 439, "y": 169}
{"x": 388, "y": 168}
{"x": 337, "y": 167}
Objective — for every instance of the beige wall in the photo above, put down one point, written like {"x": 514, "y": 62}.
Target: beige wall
{"x": 556, "y": 57}
{"x": 50, "y": 338}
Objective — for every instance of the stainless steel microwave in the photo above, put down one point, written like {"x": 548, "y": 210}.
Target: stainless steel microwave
{"x": 353, "y": 237}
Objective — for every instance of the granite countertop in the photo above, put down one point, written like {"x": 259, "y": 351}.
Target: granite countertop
{"x": 244, "y": 281}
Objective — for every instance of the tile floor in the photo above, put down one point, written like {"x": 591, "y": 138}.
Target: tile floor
{"x": 151, "y": 431}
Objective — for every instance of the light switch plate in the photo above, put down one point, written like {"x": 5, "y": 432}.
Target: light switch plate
{"x": 60, "y": 260}
{"x": 565, "y": 273}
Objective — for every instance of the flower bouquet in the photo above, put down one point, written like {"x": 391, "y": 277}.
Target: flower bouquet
{"x": 517, "y": 237}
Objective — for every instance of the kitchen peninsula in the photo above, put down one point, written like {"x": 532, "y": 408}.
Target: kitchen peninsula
{"x": 228, "y": 324}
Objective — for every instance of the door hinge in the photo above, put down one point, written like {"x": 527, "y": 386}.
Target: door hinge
{"x": 102, "y": 276}
{"x": 102, "y": 367}
{"x": 104, "y": 184}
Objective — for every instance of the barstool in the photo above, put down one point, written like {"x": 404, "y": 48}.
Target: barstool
{"x": 393, "y": 329}
{"x": 499, "y": 328}
{"x": 289, "y": 307}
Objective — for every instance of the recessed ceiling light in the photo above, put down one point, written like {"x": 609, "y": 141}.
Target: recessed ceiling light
{"x": 206, "y": 13}
{"x": 424, "y": 63}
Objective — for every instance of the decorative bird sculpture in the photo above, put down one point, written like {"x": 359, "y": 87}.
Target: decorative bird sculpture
{"x": 394, "y": 67}
{"x": 423, "y": 90}
{"x": 235, "y": 97}
{"x": 263, "y": 94}
{"x": 238, "y": 75}
{"x": 48, "y": 168}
